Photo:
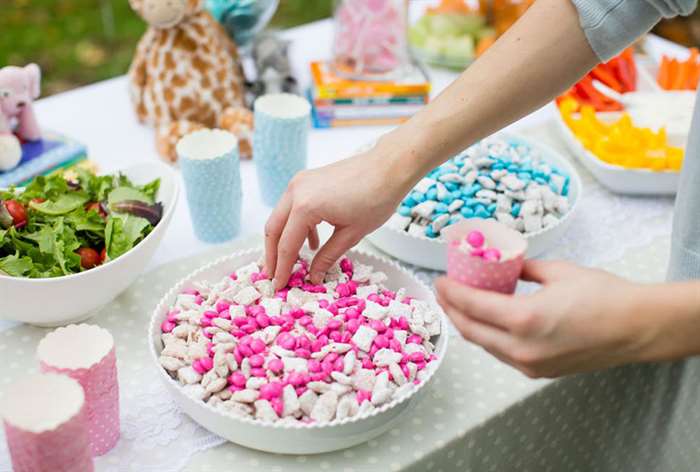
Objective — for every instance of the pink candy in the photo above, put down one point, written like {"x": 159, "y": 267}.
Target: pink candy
{"x": 256, "y": 360}
{"x": 492, "y": 254}
{"x": 476, "y": 239}
{"x": 167, "y": 326}
{"x": 276, "y": 366}
{"x": 203, "y": 365}
{"x": 237, "y": 379}
{"x": 271, "y": 390}
{"x": 346, "y": 265}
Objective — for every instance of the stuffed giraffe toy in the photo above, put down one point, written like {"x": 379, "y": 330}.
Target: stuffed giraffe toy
{"x": 186, "y": 75}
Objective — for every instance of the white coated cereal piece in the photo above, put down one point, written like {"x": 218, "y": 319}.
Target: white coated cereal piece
{"x": 451, "y": 177}
{"x": 208, "y": 378}
{"x": 231, "y": 362}
{"x": 246, "y": 296}
{"x": 319, "y": 387}
{"x": 340, "y": 389}
{"x": 245, "y": 368}
{"x": 339, "y": 348}
{"x": 377, "y": 277}
{"x": 562, "y": 205}
{"x": 216, "y": 385}
{"x": 347, "y": 407}
{"x": 362, "y": 272}
{"x": 440, "y": 222}
{"x": 400, "y": 294}
{"x": 214, "y": 401}
{"x": 413, "y": 347}
{"x": 398, "y": 221}
{"x": 486, "y": 195}
{"x": 325, "y": 407}
{"x": 183, "y": 331}
{"x": 397, "y": 374}
{"x": 296, "y": 297}
{"x": 171, "y": 364}
{"x": 341, "y": 378}
{"x": 364, "y": 379}
{"x": 455, "y": 205}
{"x": 321, "y": 352}
{"x": 365, "y": 408}
{"x": 364, "y": 337}
{"x": 433, "y": 328}
{"x": 398, "y": 309}
{"x": 519, "y": 225}
{"x": 513, "y": 183}
{"x": 236, "y": 311}
{"x": 270, "y": 333}
{"x": 222, "y": 337}
{"x": 212, "y": 330}
{"x": 330, "y": 287}
{"x": 195, "y": 391}
{"x": 264, "y": 411}
{"x": 321, "y": 317}
{"x": 441, "y": 191}
{"x": 381, "y": 392}
{"x": 307, "y": 401}
{"x": 186, "y": 301}
{"x": 247, "y": 395}
{"x": 244, "y": 273}
{"x": 220, "y": 359}
{"x": 412, "y": 370}
{"x": 187, "y": 375}
{"x": 197, "y": 350}
{"x": 290, "y": 401}
{"x": 419, "y": 330}
{"x": 470, "y": 177}
{"x": 294, "y": 364}
{"x": 549, "y": 220}
{"x": 349, "y": 362}
{"x": 224, "y": 394}
{"x": 384, "y": 357}
{"x": 528, "y": 208}
{"x": 505, "y": 218}
{"x": 222, "y": 323}
{"x": 424, "y": 209}
{"x": 486, "y": 182}
{"x": 236, "y": 408}
{"x": 272, "y": 306}
{"x": 175, "y": 349}
{"x": 375, "y": 311}
{"x": 532, "y": 222}
{"x": 364, "y": 291}
{"x": 265, "y": 287}
{"x": 254, "y": 383}
{"x": 558, "y": 182}
{"x": 400, "y": 335}
{"x": 498, "y": 174}
{"x": 519, "y": 195}
{"x": 416, "y": 229}
{"x": 424, "y": 185}
{"x": 168, "y": 338}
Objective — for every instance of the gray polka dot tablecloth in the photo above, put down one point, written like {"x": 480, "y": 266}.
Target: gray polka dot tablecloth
{"x": 479, "y": 414}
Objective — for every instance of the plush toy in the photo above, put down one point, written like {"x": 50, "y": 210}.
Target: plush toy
{"x": 186, "y": 75}
{"x": 19, "y": 86}
{"x": 274, "y": 73}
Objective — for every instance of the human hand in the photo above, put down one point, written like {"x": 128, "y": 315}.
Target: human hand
{"x": 355, "y": 195}
{"x": 580, "y": 320}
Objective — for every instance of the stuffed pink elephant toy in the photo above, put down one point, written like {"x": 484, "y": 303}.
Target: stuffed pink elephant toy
{"x": 19, "y": 86}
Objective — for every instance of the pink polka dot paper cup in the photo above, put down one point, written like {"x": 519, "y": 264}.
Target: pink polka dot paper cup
{"x": 479, "y": 272}
{"x": 86, "y": 353}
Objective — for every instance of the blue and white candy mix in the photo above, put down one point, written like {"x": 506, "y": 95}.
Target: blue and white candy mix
{"x": 495, "y": 178}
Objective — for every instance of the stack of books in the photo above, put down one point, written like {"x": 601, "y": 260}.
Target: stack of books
{"x": 337, "y": 101}
{"x": 43, "y": 157}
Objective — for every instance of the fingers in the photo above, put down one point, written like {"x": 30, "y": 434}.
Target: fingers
{"x": 313, "y": 238}
{"x": 273, "y": 231}
{"x": 542, "y": 272}
{"x": 293, "y": 236}
{"x": 488, "y": 307}
{"x": 340, "y": 241}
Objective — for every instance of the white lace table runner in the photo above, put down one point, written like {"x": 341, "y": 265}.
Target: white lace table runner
{"x": 157, "y": 436}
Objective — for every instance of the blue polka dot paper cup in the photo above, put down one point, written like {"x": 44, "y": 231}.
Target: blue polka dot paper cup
{"x": 279, "y": 142}
{"x": 211, "y": 170}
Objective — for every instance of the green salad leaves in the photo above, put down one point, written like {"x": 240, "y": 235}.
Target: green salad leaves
{"x": 59, "y": 227}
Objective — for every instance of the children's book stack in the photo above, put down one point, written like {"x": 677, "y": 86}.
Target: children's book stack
{"x": 338, "y": 101}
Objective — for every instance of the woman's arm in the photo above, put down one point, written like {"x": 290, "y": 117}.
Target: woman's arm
{"x": 580, "y": 320}
{"x": 540, "y": 56}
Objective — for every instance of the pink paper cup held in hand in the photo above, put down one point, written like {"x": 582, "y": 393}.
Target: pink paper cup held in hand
{"x": 45, "y": 418}
{"x": 478, "y": 272}
{"x": 86, "y": 353}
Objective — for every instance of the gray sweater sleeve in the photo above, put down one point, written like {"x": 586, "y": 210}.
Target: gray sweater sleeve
{"x": 611, "y": 25}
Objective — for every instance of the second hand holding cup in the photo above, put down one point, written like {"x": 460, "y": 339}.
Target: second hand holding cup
{"x": 279, "y": 142}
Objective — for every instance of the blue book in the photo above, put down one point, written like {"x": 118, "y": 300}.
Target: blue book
{"x": 42, "y": 157}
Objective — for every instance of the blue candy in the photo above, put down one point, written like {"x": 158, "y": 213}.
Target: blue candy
{"x": 418, "y": 197}
{"x": 457, "y": 193}
{"x": 404, "y": 211}
{"x": 451, "y": 186}
{"x": 409, "y": 202}
{"x": 466, "y": 212}
{"x": 471, "y": 202}
{"x": 429, "y": 232}
{"x": 491, "y": 208}
{"x": 440, "y": 208}
{"x": 481, "y": 212}
{"x": 515, "y": 210}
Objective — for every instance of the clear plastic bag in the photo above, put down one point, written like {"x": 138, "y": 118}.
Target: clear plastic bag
{"x": 371, "y": 38}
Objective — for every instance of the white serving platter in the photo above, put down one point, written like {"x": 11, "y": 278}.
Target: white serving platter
{"x": 432, "y": 253}
{"x": 284, "y": 438}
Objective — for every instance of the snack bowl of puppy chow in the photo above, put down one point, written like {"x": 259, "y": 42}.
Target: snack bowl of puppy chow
{"x": 526, "y": 186}
{"x": 303, "y": 370}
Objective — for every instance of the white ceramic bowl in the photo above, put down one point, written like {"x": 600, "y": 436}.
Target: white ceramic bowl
{"x": 72, "y": 298}
{"x": 432, "y": 253}
{"x": 285, "y": 438}
{"x": 616, "y": 178}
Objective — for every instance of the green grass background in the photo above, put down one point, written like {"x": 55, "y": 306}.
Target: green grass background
{"x": 78, "y": 42}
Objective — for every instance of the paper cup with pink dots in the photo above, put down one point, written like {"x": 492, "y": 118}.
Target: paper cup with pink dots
{"x": 485, "y": 254}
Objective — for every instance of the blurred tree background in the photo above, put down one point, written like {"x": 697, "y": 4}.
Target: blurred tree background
{"x": 78, "y": 42}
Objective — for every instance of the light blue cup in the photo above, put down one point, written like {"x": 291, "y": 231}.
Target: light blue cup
{"x": 279, "y": 142}
{"x": 211, "y": 170}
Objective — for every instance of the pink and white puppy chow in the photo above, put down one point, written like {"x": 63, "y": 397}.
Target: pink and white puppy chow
{"x": 306, "y": 353}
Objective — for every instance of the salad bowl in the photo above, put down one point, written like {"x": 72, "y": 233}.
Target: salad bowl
{"x": 57, "y": 301}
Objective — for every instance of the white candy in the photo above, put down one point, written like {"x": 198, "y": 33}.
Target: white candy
{"x": 246, "y": 296}
{"x": 364, "y": 337}
{"x": 325, "y": 406}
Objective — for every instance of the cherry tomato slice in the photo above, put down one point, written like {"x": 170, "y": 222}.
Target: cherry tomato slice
{"x": 89, "y": 258}
{"x": 17, "y": 212}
